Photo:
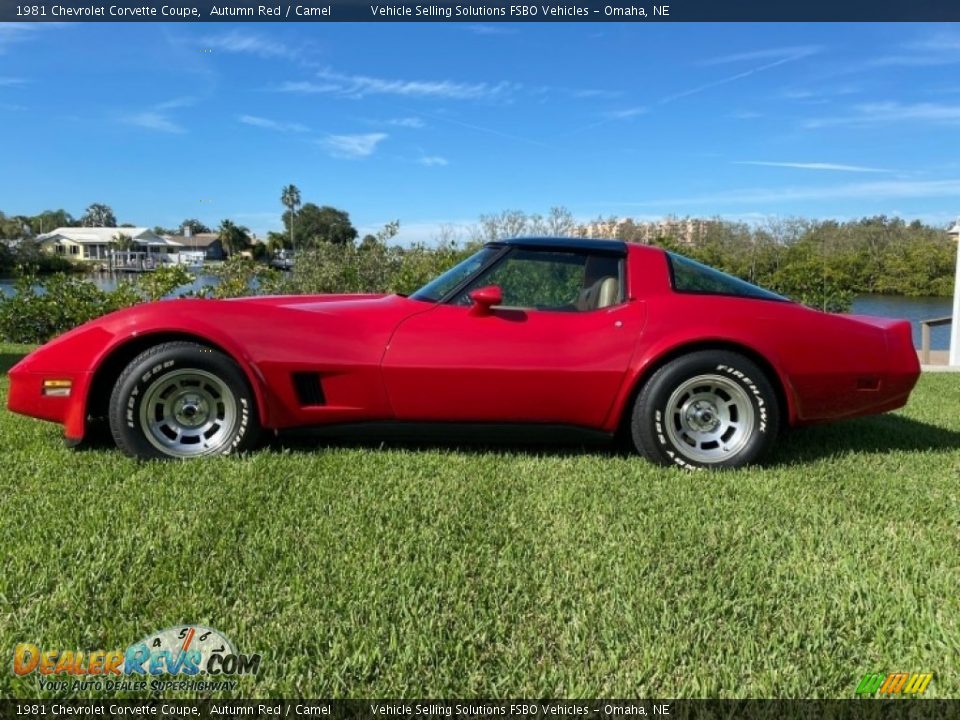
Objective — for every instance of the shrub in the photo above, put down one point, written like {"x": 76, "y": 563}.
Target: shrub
{"x": 163, "y": 281}
{"x": 372, "y": 266}
{"x": 6, "y": 259}
{"x": 30, "y": 259}
{"x": 238, "y": 276}
{"x": 40, "y": 310}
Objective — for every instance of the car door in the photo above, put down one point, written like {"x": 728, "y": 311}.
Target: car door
{"x": 544, "y": 355}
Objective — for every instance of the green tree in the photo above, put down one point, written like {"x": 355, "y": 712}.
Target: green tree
{"x": 276, "y": 241}
{"x": 99, "y": 215}
{"x": 317, "y": 225}
{"x": 196, "y": 227}
{"x": 235, "y": 238}
{"x": 290, "y": 197}
{"x": 14, "y": 227}
{"x": 50, "y": 220}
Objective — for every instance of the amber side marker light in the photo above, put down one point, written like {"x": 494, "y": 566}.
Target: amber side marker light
{"x": 57, "y": 388}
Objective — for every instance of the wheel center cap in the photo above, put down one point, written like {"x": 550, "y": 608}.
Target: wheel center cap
{"x": 191, "y": 410}
{"x": 702, "y": 416}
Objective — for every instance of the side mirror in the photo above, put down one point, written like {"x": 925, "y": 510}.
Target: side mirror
{"x": 485, "y": 298}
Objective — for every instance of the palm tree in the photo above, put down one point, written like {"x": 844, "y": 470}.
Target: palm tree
{"x": 124, "y": 244}
{"x": 234, "y": 237}
{"x": 124, "y": 241}
{"x": 290, "y": 197}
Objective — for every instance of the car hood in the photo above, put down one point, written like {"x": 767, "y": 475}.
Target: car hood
{"x": 311, "y": 303}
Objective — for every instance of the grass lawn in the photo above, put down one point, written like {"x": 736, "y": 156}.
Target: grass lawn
{"x": 404, "y": 572}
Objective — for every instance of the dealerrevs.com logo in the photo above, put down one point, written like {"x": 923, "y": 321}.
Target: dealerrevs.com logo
{"x": 172, "y": 659}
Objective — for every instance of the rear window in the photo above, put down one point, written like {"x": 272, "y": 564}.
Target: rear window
{"x": 689, "y": 276}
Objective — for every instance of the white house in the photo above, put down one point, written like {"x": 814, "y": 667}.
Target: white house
{"x": 96, "y": 243}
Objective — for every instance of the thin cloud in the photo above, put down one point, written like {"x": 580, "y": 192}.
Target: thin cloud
{"x": 11, "y": 33}
{"x": 594, "y": 93}
{"x": 892, "y": 189}
{"x": 268, "y": 124}
{"x": 407, "y": 122}
{"x": 359, "y": 86}
{"x": 176, "y": 103}
{"x": 158, "y": 116}
{"x": 794, "y": 51}
{"x": 784, "y": 55}
{"x": 352, "y": 146}
{"x": 17, "y": 32}
{"x": 937, "y": 49}
{"x": 834, "y": 167}
{"x": 433, "y": 161}
{"x": 481, "y": 29}
{"x": 734, "y": 78}
{"x": 238, "y": 41}
{"x": 939, "y": 42}
{"x": 627, "y": 113}
{"x": 151, "y": 120}
{"x": 306, "y": 87}
{"x": 12, "y": 81}
{"x": 885, "y": 113}
{"x": 486, "y": 130}
{"x": 820, "y": 96}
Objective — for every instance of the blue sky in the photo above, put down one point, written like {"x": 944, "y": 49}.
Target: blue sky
{"x": 435, "y": 124}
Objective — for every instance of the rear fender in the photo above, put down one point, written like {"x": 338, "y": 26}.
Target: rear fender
{"x": 653, "y": 357}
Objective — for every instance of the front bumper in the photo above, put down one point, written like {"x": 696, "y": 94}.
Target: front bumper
{"x": 26, "y": 398}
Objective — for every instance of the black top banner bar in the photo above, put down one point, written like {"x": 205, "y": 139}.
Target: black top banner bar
{"x": 632, "y": 11}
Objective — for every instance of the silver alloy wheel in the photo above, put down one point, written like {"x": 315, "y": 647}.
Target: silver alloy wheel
{"x": 709, "y": 418}
{"x": 186, "y": 413}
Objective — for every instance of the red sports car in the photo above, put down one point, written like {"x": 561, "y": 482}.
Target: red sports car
{"x": 697, "y": 368}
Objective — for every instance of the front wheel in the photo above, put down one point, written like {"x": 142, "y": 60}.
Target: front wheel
{"x": 182, "y": 400}
{"x": 708, "y": 409}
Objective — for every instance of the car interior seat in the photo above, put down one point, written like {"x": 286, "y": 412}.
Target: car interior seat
{"x": 602, "y": 293}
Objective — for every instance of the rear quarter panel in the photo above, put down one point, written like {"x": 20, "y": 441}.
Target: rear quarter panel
{"x": 826, "y": 364}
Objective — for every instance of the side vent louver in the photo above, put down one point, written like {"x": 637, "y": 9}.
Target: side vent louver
{"x": 309, "y": 390}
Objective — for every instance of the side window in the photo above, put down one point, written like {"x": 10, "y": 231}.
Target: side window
{"x": 689, "y": 276}
{"x": 553, "y": 280}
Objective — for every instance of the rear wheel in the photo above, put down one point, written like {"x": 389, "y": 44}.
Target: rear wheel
{"x": 182, "y": 400}
{"x": 708, "y": 409}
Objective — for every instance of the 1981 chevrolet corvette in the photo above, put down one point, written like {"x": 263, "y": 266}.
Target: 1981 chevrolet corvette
{"x": 697, "y": 368}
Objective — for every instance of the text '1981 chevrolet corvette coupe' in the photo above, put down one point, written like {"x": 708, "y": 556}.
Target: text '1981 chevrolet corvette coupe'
{"x": 697, "y": 368}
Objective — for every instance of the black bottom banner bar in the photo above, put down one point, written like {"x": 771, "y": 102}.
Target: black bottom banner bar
{"x": 910, "y": 708}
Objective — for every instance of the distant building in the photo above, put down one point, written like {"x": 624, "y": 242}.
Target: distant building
{"x": 686, "y": 231}
{"x": 209, "y": 244}
{"x": 97, "y": 243}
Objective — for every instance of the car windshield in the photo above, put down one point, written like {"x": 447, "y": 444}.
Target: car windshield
{"x": 440, "y": 287}
{"x": 689, "y": 276}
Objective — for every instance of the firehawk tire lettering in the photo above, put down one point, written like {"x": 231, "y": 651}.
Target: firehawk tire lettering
{"x": 182, "y": 400}
{"x": 709, "y": 409}
{"x": 756, "y": 392}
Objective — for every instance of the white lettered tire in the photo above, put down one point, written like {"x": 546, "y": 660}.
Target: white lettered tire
{"x": 707, "y": 409}
{"x": 182, "y": 400}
